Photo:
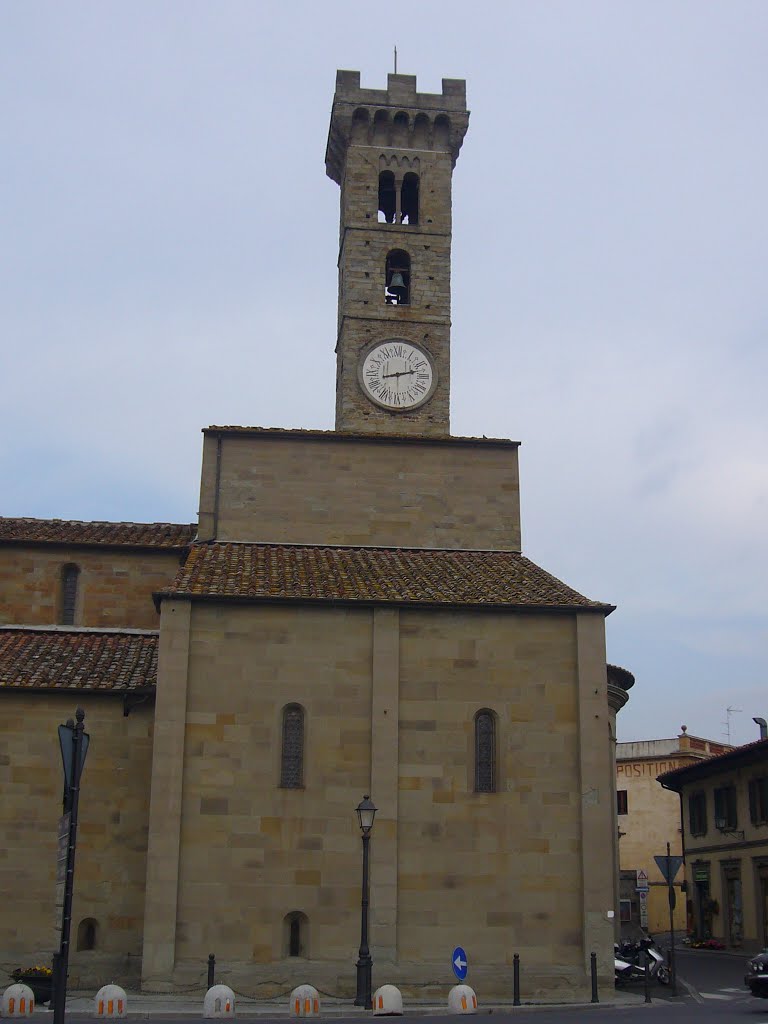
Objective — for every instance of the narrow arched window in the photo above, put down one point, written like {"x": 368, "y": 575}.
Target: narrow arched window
{"x": 292, "y": 754}
{"x": 387, "y": 198}
{"x": 485, "y": 751}
{"x": 70, "y": 575}
{"x": 409, "y": 199}
{"x": 397, "y": 278}
{"x": 296, "y": 934}
{"x": 294, "y": 938}
{"x": 86, "y": 934}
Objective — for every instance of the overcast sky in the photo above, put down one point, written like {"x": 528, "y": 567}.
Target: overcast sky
{"x": 168, "y": 244}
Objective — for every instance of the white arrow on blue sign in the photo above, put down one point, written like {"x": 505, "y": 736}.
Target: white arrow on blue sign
{"x": 459, "y": 963}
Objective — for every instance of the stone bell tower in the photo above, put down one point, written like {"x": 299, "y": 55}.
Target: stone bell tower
{"x": 393, "y": 152}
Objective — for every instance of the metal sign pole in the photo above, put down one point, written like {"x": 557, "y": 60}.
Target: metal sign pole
{"x": 73, "y": 801}
{"x": 671, "y": 896}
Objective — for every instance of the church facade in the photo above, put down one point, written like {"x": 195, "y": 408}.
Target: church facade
{"x": 352, "y": 614}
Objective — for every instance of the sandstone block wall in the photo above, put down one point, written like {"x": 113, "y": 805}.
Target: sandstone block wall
{"x": 249, "y": 849}
{"x": 390, "y": 698}
{"x": 114, "y": 587}
{"x": 112, "y": 836}
{"x": 283, "y": 489}
{"x": 500, "y": 869}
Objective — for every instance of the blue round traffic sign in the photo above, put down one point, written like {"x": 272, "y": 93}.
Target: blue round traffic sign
{"x": 459, "y": 963}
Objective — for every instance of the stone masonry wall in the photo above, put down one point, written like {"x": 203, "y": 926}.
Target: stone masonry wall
{"x": 389, "y": 699}
{"x": 251, "y": 853}
{"x": 287, "y": 490}
{"x": 364, "y": 316}
{"x": 114, "y": 587}
{"x": 112, "y": 837}
{"x": 501, "y": 870}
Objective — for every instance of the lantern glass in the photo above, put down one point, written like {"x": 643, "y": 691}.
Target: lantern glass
{"x": 366, "y": 812}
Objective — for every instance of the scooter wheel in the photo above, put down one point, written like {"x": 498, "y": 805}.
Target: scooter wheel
{"x": 663, "y": 975}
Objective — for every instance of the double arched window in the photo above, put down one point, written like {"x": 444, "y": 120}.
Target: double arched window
{"x": 292, "y": 751}
{"x": 485, "y": 751}
{"x": 398, "y": 206}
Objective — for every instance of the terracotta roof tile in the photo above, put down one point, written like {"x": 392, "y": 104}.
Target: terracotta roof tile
{"x": 748, "y": 753}
{"x": 371, "y": 575}
{"x": 71, "y": 659}
{"x": 69, "y": 531}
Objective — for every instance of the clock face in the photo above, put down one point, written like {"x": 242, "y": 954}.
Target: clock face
{"x": 397, "y": 375}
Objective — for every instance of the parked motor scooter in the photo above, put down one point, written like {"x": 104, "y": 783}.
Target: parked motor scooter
{"x": 629, "y": 962}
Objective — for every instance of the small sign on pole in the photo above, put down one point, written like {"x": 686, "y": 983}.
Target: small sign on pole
{"x": 459, "y": 963}
{"x": 642, "y": 880}
{"x": 668, "y": 866}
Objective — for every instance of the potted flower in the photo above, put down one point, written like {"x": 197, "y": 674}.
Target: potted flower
{"x": 39, "y": 978}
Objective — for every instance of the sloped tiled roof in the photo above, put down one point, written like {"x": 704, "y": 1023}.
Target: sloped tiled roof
{"x": 372, "y": 576}
{"x": 73, "y": 532}
{"x": 63, "y": 658}
{"x": 749, "y": 753}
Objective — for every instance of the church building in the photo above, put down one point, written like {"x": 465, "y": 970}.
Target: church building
{"x": 351, "y": 615}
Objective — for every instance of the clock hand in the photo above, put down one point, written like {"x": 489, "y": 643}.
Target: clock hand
{"x": 403, "y": 373}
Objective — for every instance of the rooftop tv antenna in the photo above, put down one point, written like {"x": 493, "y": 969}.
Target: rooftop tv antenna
{"x": 395, "y": 60}
{"x": 727, "y": 723}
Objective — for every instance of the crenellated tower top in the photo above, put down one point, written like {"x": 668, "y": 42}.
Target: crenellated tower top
{"x": 396, "y": 115}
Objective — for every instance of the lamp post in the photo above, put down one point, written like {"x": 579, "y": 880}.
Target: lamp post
{"x": 73, "y": 741}
{"x": 366, "y": 812}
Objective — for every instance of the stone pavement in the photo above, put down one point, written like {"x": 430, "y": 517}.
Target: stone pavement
{"x": 169, "y": 1006}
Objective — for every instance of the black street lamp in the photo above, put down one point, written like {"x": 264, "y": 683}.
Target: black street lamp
{"x": 366, "y": 812}
{"x": 74, "y": 746}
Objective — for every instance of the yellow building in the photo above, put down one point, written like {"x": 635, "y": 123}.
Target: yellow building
{"x": 725, "y": 820}
{"x": 649, "y": 818}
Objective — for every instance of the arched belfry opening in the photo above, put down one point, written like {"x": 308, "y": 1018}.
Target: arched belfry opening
{"x": 409, "y": 199}
{"x": 397, "y": 278}
{"x": 387, "y": 198}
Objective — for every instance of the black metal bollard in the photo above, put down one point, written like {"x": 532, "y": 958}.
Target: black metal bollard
{"x": 647, "y": 976}
{"x": 211, "y": 970}
{"x": 593, "y": 972}
{"x": 55, "y": 976}
{"x": 516, "y": 979}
